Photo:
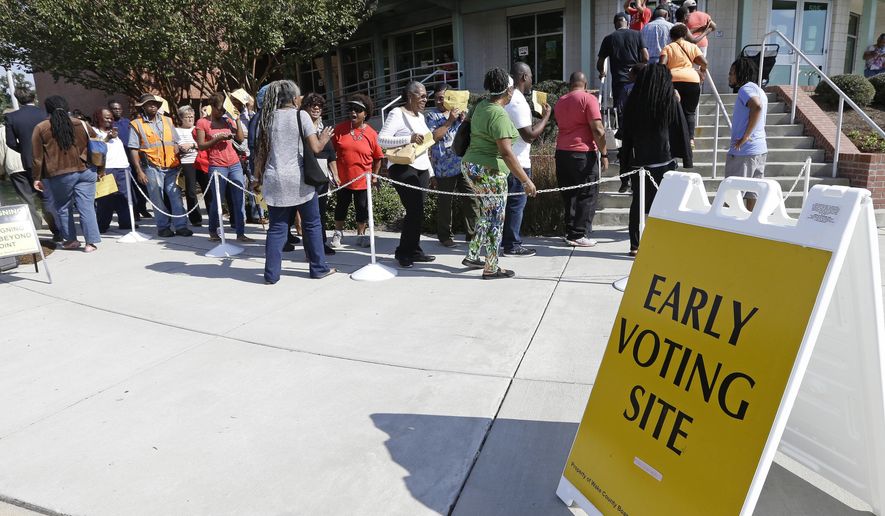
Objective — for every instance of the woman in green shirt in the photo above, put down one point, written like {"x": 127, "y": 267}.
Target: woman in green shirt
{"x": 487, "y": 162}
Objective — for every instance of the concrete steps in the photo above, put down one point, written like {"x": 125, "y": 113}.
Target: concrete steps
{"x": 788, "y": 149}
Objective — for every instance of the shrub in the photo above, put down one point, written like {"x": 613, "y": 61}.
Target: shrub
{"x": 857, "y": 87}
{"x": 878, "y": 82}
{"x": 867, "y": 141}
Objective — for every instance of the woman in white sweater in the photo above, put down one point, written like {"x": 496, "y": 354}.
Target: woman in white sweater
{"x": 405, "y": 125}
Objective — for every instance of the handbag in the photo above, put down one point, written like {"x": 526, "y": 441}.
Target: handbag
{"x": 408, "y": 153}
{"x": 96, "y": 151}
{"x": 107, "y": 185}
{"x": 313, "y": 172}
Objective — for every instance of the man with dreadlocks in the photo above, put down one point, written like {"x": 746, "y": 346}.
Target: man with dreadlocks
{"x": 748, "y": 150}
{"x": 654, "y": 133}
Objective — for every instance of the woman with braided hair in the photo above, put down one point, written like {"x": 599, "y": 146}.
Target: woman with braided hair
{"x": 653, "y": 135}
{"x": 60, "y": 154}
{"x": 486, "y": 164}
{"x": 283, "y": 131}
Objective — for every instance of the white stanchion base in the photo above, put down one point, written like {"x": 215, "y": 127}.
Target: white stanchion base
{"x": 621, "y": 284}
{"x": 133, "y": 237}
{"x": 374, "y": 272}
{"x": 224, "y": 251}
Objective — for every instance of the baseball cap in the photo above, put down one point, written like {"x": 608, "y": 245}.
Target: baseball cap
{"x": 689, "y": 3}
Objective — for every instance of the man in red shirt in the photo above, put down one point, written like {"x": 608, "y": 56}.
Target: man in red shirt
{"x": 699, "y": 23}
{"x": 640, "y": 15}
{"x": 581, "y": 134}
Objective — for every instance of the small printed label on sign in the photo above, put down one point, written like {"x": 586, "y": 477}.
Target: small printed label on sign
{"x": 522, "y": 51}
{"x": 824, "y": 213}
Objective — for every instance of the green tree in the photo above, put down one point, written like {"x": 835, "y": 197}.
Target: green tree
{"x": 5, "y": 100}
{"x": 174, "y": 47}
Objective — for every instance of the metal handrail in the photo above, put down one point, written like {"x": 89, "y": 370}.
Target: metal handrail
{"x": 720, "y": 106}
{"x": 457, "y": 71}
{"x": 843, "y": 98}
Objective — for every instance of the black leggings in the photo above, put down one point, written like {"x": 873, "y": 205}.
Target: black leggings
{"x": 360, "y": 204}
{"x": 413, "y": 202}
{"x": 690, "y": 95}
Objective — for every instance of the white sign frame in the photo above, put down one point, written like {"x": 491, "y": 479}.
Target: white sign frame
{"x": 27, "y": 210}
{"x": 841, "y": 220}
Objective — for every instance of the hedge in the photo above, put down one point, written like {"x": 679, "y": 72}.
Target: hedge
{"x": 878, "y": 82}
{"x": 857, "y": 87}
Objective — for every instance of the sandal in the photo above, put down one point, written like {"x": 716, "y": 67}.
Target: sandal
{"x": 90, "y": 248}
{"x": 71, "y": 244}
{"x": 500, "y": 273}
{"x": 329, "y": 272}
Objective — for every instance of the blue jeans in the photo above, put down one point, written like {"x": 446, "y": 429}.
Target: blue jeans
{"x": 238, "y": 210}
{"x": 75, "y": 189}
{"x": 162, "y": 185}
{"x": 513, "y": 213}
{"x": 872, "y": 73}
{"x": 278, "y": 233}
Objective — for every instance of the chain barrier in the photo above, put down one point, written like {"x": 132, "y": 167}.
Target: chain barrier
{"x": 509, "y": 194}
{"x": 652, "y": 179}
{"x": 330, "y": 192}
{"x": 148, "y": 197}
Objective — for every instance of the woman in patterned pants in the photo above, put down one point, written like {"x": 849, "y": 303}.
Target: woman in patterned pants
{"x": 486, "y": 164}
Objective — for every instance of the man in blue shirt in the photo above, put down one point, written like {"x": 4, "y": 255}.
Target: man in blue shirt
{"x": 656, "y": 35}
{"x": 748, "y": 149}
{"x": 447, "y": 169}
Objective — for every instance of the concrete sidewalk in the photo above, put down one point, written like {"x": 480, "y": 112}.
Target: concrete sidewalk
{"x": 152, "y": 380}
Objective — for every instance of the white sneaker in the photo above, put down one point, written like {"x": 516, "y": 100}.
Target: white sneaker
{"x": 582, "y": 242}
{"x": 336, "y": 239}
{"x": 363, "y": 241}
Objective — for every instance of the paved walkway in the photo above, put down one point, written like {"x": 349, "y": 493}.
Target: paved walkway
{"x": 149, "y": 379}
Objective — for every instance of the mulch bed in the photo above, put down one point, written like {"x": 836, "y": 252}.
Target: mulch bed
{"x": 851, "y": 121}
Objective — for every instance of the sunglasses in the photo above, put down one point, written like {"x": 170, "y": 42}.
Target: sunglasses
{"x": 356, "y": 109}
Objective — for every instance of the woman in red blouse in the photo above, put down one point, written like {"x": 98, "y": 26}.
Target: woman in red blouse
{"x": 356, "y": 145}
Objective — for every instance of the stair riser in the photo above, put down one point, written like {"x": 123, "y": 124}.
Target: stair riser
{"x": 771, "y": 119}
{"x": 803, "y": 142}
{"x": 729, "y": 98}
{"x": 710, "y": 109}
{"x": 771, "y": 131}
{"x": 791, "y": 155}
{"x": 823, "y": 170}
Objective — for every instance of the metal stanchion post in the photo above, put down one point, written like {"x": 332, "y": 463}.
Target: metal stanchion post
{"x": 222, "y": 250}
{"x": 374, "y": 271}
{"x": 133, "y": 236}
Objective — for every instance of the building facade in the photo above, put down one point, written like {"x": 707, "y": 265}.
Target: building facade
{"x": 458, "y": 40}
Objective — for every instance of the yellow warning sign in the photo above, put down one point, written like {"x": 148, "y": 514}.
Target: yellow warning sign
{"x": 699, "y": 357}
{"x": 17, "y": 235}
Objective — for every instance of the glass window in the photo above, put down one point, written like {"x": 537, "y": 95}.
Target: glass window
{"x": 310, "y": 75}
{"x": 424, "y": 48}
{"x": 537, "y": 40}
{"x": 783, "y": 18}
{"x": 851, "y": 49}
{"x": 522, "y": 26}
{"x": 814, "y": 28}
{"x": 357, "y": 67}
{"x": 550, "y": 23}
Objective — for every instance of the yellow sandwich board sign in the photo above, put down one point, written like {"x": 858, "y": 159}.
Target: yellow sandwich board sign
{"x": 708, "y": 350}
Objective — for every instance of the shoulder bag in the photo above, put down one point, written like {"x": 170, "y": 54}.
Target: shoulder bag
{"x": 313, "y": 172}
{"x": 462, "y": 139}
{"x": 408, "y": 153}
{"x": 97, "y": 150}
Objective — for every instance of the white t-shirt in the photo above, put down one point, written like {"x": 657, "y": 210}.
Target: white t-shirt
{"x": 521, "y": 115}
{"x": 116, "y": 157}
{"x": 187, "y": 138}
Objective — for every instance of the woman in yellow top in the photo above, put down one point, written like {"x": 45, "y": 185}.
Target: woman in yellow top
{"x": 680, "y": 56}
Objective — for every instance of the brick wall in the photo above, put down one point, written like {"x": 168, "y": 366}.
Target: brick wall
{"x": 863, "y": 170}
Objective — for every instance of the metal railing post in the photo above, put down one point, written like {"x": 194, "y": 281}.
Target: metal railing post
{"x": 795, "y": 90}
{"x": 716, "y": 143}
{"x": 838, "y": 136}
{"x": 762, "y": 58}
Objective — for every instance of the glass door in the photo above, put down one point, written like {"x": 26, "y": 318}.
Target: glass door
{"x": 806, "y": 24}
